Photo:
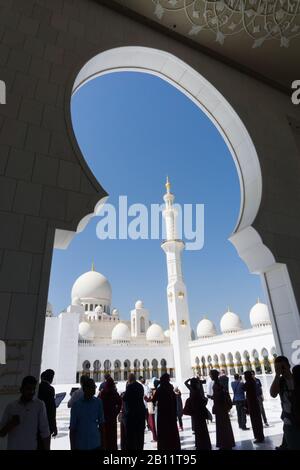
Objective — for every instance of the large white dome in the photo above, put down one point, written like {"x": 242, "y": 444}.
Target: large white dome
{"x": 259, "y": 315}
{"x": 155, "y": 333}
{"x": 92, "y": 286}
{"x": 230, "y": 322}
{"x": 85, "y": 331}
{"x": 206, "y": 328}
{"x": 120, "y": 332}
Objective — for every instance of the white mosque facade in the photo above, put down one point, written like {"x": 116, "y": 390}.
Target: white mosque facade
{"x": 90, "y": 338}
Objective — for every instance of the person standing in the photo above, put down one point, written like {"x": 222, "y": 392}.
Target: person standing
{"x": 253, "y": 407}
{"x": 224, "y": 380}
{"x": 221, "y": 408}
{"x": 179, "y": 407}
{"x": 209, "y": 394}
{"x": 87, "y": 419}
{"x": 112, "y": 404}
{"x": 260, "y": 397}
{"x": 167, "y": 431}
{"x": 151, "y": 416}
{"x": 287, "y": 386}
{"x": 134, "y": 414}
{"x": 102, "y": 385}
{"x": 46, "y": 393}
{"x": 147, "y": 393}
{"x": 239, "y": 400}
{"x": 78, "y": 393}
{"x": 198, "y": 413}
{"x": 24, "y": 419}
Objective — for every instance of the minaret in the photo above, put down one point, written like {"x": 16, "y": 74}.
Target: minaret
{"x": 180, "y": 330}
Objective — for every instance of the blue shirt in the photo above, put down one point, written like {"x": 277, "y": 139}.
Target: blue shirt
{"x": 86, "y": 418}
{"x": 258, "y": 387}
{"x": 238, "y": 390}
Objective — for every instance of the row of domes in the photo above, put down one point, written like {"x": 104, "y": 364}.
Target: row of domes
{"x": 121, "y": 332}
{"x": 231, "y": 322}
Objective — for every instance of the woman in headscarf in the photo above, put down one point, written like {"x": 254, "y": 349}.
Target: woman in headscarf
{"x": 199, "y": 413}
{"x": 111, "y": 406}
{"x": 253, "y": 407}
{"x": 167, "y": 431}
{"x": 221, "y": 408}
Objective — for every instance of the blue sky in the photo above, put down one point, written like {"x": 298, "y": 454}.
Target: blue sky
{"x": 134, "y": 129}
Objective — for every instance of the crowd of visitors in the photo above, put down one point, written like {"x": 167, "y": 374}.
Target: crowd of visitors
{"x": 30, "y": 422}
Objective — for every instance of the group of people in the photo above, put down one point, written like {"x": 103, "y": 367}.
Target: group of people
{"x": 30, "y": 422}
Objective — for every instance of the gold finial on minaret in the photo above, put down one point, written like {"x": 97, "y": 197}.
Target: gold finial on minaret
{"x": 93, "y": 266}
{"x": 168, "y": 185}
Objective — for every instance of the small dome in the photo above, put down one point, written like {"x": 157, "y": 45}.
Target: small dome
{"x": 139, "y": 304}
{"x": 76, "y": 301}
{"x": 120, "y": 332}
{"x": 49, "y": 310}
{"x": 85, "y": 331}
{"x": 230, "y": 322}
{"x": 206, "y": 328}
{"x": 155, "y": 333}
{"x": 92, "y": 286}
{"x": 167, "y": 333}
{"x": 99, "y": 310}
{"x": 115, "y": 312}
{"x": 259, "y": 315}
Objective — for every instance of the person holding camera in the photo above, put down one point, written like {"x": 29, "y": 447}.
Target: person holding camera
{"x": 198, "y": 412}
{"x": 239, "y": 400}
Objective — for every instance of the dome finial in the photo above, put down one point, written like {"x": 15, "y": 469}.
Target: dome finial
{"x": 168, "y": 185}
{"x": 258, "y": 300}
{"x": 93, "y": 266}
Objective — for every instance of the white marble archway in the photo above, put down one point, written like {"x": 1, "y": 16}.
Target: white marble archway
{"x": 247, "y": 241}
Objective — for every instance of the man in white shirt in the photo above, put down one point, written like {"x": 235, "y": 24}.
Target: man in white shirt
{"x": 24, "y": 419}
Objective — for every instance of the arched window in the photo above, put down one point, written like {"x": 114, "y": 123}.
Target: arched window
{"x": 223, "y": 362}
{"x": 97, "y": 373}
{"x": 197, "y": 366}
{"x": 230, "y": 364}
{"x": 117, "y": 370}
{"x": 154, "y": 368}
{"x": 142, "y": 325}
{"x": 267, "y": 364}
{"x": 133, "y": 325}
{"x": 239, "y": 364}
{"x": 216, "y": 362}
{"x": 247, "y": 361}
{"x": 146, "y": 372}
{"x": 257, "y": 365}
{"x": 204, "y": 368}
{"x": 86, "y": 365}
{"x": 136, "y": 368}
{"x": 126, "y": 369}
{"x": 163, "y": 365}
{"x": 107, "y": 366}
